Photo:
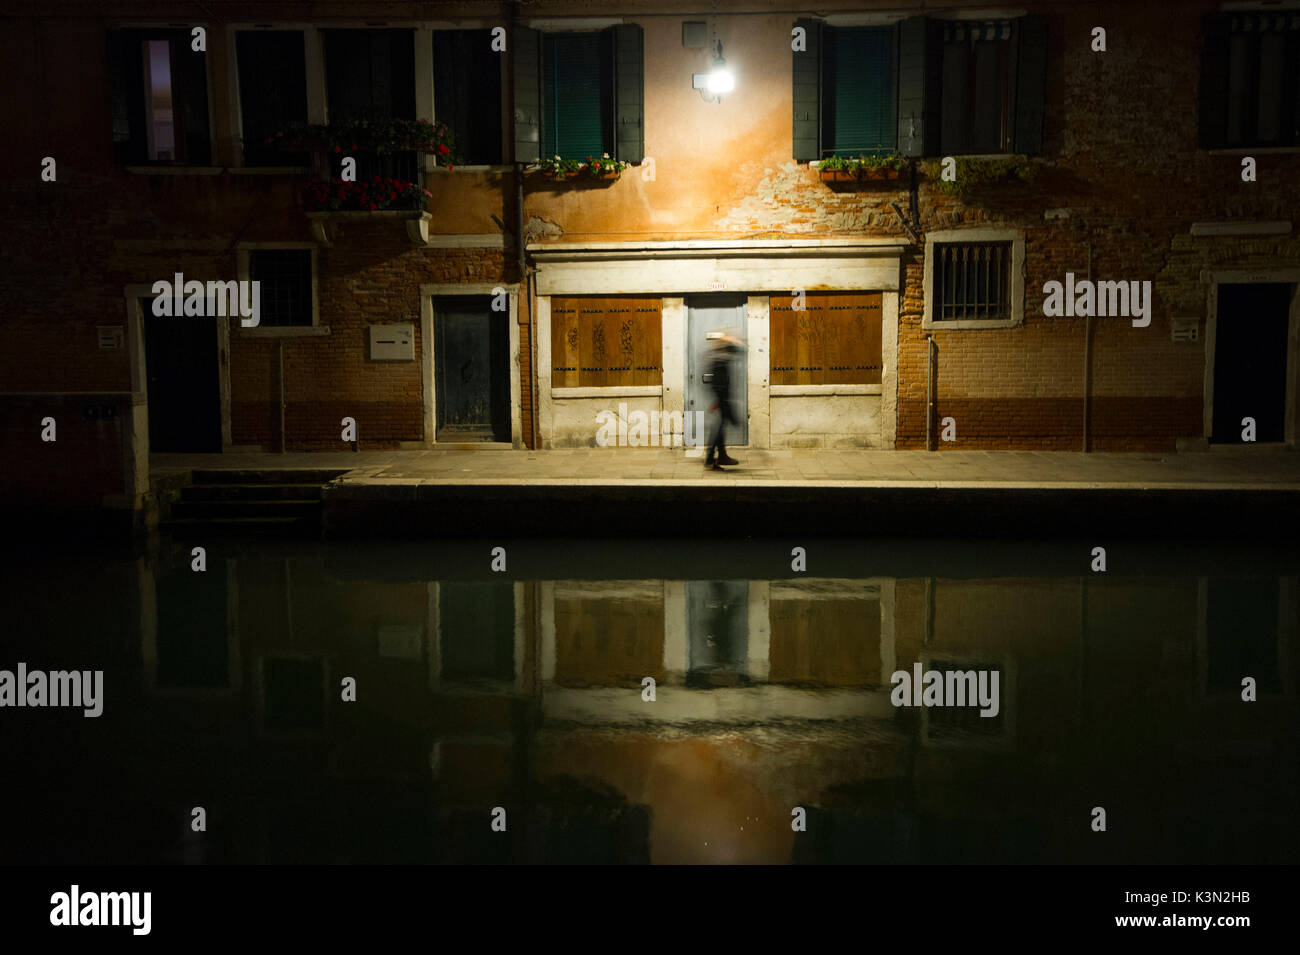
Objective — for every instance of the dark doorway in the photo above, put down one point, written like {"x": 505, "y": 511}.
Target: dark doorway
{"x": 472, "y": 369}
{"x": 1250, "y": 355}
{"x": 717, "y": 613}
{"x": 184, "y": 393}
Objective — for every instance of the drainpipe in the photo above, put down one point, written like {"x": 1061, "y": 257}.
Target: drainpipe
{"x": 280, "y": 349}
{"x": 526, "y": 293}
{"x": 1087, "y": 362}
{"x": 929, "y": 392}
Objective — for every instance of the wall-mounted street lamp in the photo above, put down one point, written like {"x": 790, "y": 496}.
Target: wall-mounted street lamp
{"x": 717, "y": 81}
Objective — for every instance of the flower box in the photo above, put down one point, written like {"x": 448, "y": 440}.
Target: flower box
{"x": 604, "y": 169}
{"x": 879, "y": 174}
{"x": 858, "y": 170}
{"x": 324, "y": 225}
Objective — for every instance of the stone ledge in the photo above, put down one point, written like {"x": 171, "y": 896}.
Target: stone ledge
{"x": 417, "y": 222}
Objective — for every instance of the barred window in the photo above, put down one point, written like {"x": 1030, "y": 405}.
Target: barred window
{"x": 599, "y": 341}
{"x": 972, "y": 281}
{"x": 285, "y": 277}
{"x": 832, "y": 338}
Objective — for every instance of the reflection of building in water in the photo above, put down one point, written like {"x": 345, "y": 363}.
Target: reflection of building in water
{"x": 1116, "y": 691}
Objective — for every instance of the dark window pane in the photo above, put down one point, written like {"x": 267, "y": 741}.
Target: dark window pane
{"x": 975, "y": 111}
{"x": 285, "y": 275}
{"x": 159, "y": 97}
{"x": 1239, "y": 99}
{"x": 370, "y": 74}
{"x": 467, "y": 93}
{"x": 272, "y": 92}
{"x": 1272, "y": 47}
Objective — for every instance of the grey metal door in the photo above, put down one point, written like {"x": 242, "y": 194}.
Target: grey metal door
{"x": 716, "y": 313}
{"x": 472, "y": 371}
{"x": 717, "y": 622}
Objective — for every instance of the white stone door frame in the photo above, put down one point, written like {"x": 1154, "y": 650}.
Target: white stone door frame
{"x": 427, "y": 294}
{"x": 756, "y": 268}
{"x": 1212, "y": 279}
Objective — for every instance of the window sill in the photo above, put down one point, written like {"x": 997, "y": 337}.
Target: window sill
{"x": 175, "y": 170}
{"x": 267, "y": 170}
{"x": 1255, "y": 151}
{"x": 929, "y": 325}
{"x": 610, "y": 391}
{"x": 285, "y": 331}
{"x": 797, "y": 391}
{"x": 496, "y": 168}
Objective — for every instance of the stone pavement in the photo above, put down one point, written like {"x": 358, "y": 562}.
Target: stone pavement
{"x": 1263, "y": 467}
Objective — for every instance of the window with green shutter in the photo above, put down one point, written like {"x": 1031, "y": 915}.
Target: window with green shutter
{"x": 577, "y": 77}
{"x": 579, "y": 94}
{"x": 858, "y": 108}
{"x": 942, "y": 87}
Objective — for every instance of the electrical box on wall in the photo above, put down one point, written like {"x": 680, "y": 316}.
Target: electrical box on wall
{"x": 110, "y": 337}
{"x": 392, "y": 343}
{"x": 1185, "y": 329}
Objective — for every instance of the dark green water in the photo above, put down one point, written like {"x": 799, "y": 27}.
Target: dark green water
{"x": 522, "y": 691}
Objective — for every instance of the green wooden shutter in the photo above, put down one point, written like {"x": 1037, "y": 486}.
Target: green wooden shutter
{"x": 573, "y": 95}
{"x": 629, "y": 93}
{"x": 858, "y": 99}
{"x": 527, "y": 94}
{"x": 192, "y": 86}
{"x": 807, "y": 94}
{"x": 920, "y": 79}
{"x": 1212, "y": 127}
{"x": 126, "y": 75}
{"x": 1031, "y": 83}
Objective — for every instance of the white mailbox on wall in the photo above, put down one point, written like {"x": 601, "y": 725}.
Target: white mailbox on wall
{"x": 392, "y": 343}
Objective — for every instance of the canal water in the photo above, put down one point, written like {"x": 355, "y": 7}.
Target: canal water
{"x": 656, "y": 702}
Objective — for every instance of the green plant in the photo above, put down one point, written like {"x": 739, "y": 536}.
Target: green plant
{"x": 974, "y": 172}
{"x": 579, "y": 168}
{"x": 858, "y": 165}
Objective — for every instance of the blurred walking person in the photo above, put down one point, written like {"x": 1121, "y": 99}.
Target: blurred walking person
{"x": 724, "y": 350}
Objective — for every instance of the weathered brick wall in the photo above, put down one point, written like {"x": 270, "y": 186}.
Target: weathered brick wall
{"x": 370, "y": 275}
{"x": 86, "y": 461}
{"x": 1119, "y": 144}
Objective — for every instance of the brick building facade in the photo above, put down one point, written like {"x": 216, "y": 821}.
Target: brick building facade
{"x": 1137, "y": 153}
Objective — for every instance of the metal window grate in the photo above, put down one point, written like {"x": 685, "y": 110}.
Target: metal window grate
{"x": 285, "y": 277}
{"x": 972, "y": 281}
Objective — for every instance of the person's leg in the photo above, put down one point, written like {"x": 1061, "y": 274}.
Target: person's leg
{"x": 728, "y": 413}
{"x": 715, "y": 441}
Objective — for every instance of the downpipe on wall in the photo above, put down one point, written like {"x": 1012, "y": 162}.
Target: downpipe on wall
{"x": 929, "y": 392}
{"x": 1087, "y": 364}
